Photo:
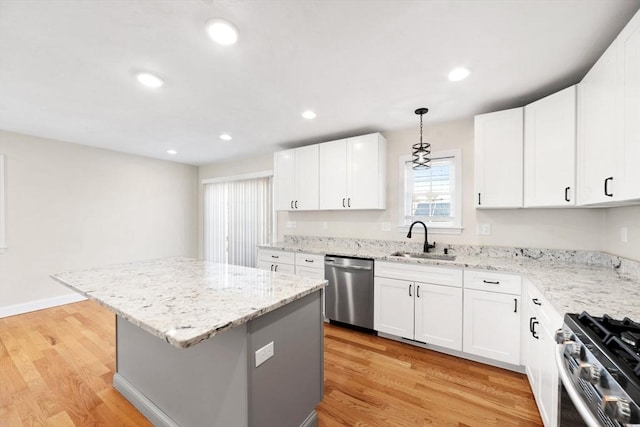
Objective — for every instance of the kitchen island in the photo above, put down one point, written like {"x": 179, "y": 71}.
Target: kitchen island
{"x": 189, "y": 334}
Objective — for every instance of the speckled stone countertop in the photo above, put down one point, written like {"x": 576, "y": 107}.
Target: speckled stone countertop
{"x": 572, "y": 281}
{"x": 185, "y": 301}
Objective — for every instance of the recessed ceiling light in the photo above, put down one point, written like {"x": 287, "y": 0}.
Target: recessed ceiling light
{"x": 459, "y": 74}
{"x": 172, "y": 152}
{"x": 225, "y": 136}
{"x": 309, "y": 115}
{"x": 222, "y": 32}
{"x": 149, "y": 80}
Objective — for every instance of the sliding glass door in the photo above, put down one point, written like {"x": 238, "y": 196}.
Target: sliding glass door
{"x": 238, "y": 216}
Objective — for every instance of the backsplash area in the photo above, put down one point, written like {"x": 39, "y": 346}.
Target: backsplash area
{"x": 624, "y": 266}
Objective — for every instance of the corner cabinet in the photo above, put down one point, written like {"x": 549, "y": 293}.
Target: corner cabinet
{"x": 419, "y": 303}
{"x": 498, "y": 146}
{"x": 296, "y": 179}
{"x": 609, "y": 123}
{"x": 353, "y": 173}
{"x": 492, "y": 315}
{"x": 550, "y": 150}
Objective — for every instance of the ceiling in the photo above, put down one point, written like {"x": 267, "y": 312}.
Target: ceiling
{"x": 67, "y": 67}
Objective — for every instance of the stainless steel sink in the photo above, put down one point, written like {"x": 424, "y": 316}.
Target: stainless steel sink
{"x": 423, "y": 255}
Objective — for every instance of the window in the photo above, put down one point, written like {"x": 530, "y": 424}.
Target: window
{"x": 238, "y": 216}
{"x": 432, "y": 195}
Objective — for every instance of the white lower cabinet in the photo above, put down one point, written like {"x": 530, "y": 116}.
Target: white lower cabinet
{"x": 492, "y": 316}
{"x": 438, "y": 315}
{"x": 420, "y": 303}
{"x": 276, "y": 260}
{"x": 542, "y": 321}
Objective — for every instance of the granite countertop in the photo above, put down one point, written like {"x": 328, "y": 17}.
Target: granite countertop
{"x": 185, "y": 301}
{"x": 570, "y": 286}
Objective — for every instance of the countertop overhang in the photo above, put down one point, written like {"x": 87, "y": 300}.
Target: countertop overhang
{"x": 184, "y": 300}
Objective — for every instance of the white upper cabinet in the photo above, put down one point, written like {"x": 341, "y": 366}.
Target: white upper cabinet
{"x": 296, "y": 179}
{"x": 353, "y": 173}
{"x": 498, "y": 159}
{"x": 628, "y": 45}
{"x": 550, "y": 150}
{"x": 609, "y": 123}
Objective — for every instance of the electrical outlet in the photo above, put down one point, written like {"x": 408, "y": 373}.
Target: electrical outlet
{"x": 624, "y": 234}
{"x": 483, "y": 229}
{"x": 291, "y": 224}
{"x": 264, "y": 354}
{"x": 325, "y": 225}
{"x": 385, "y": 226}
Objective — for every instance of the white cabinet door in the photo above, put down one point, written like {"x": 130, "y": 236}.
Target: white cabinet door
{"x": 333, "y": 174}
{"x": 393, "y": 307}
{"x": 366, "y": 173}
{"x": 628, "y": 45}
{"x": 306, "y": 178}
{"x": 492, "y": 325}
{"x": 264, "y": 265}
{"x": 438, "y": 315}
{"x": 353, "y": 173}
{"x": 550, "y": 150}
{"x": 284, "y": 179}
{"x": 598, "y": 131}
{"x": 498, "y": 159}
{"x": 548, "y": 376}
{"x": 296, "y": 179}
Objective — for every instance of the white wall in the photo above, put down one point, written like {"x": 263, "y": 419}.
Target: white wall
{"x": 547, "y": 228}
{"x": 614, "y": 220}
{"x": 71, "y": 206}
{"x": 580, "y": 229}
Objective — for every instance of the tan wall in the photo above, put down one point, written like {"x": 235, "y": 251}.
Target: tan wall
{"x": 71, "y": 206}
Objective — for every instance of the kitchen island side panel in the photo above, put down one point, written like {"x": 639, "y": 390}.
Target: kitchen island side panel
{"x": 285, "y": 390}
{"x": 205, "y": 384}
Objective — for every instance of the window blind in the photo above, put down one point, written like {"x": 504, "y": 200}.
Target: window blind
{"x": 238, "y": 216}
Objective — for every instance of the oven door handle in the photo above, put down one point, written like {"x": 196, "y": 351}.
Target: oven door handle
{"x": 588, "y": 417}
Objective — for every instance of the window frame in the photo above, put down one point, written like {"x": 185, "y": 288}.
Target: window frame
{"x": 451, "y": 227}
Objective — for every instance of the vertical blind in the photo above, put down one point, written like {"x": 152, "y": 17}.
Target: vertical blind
{"x": 238, "y": 216}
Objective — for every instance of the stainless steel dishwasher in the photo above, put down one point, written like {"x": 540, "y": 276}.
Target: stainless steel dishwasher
{"x": 349, "y": 295}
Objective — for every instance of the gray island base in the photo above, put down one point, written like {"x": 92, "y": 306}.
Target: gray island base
{"x": 188, "y": 333}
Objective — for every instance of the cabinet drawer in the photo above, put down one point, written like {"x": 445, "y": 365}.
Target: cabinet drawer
{"x": 311, "y": 273}
{"x": 310, "y": 260}
{"x": 419, "y": 273}
{"x": 273, "y": 256}
{"x": 492, "y": 282}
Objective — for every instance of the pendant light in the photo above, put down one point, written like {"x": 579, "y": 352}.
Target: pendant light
{"x": 421, "y": 150}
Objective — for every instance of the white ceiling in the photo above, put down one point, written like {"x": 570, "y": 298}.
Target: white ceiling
{"x": 67, "y": 67}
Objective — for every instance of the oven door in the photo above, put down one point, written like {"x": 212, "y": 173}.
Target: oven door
{"x": 573, "y": 408}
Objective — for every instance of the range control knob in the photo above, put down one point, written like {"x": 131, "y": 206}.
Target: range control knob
{"x": 572, "y": 349}
{"x": 589, "y": 372}
{"x": 562, "y": 336}
{"x": 616, "y": 408}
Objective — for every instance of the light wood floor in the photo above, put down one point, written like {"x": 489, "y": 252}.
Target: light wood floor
{"x": 56, "y": 367}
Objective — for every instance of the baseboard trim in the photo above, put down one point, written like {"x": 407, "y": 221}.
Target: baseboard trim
{"x": 12, "y": 310}
{"x": 142, "y": 403}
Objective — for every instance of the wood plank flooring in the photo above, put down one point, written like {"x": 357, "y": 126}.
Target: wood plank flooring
{"x": 56, "y": 367}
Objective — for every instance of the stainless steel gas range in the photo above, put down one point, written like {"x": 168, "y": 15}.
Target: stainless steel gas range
{"x": 598, "y": 360}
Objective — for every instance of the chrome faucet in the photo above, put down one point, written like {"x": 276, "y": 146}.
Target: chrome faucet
{"x": 427, "y": 246}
